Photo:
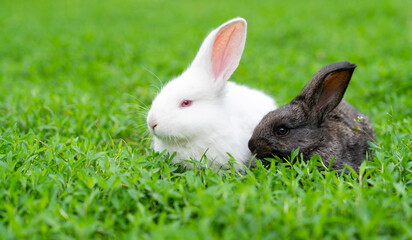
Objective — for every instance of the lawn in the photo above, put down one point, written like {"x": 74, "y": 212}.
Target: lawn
{"x": 77, "y": 78}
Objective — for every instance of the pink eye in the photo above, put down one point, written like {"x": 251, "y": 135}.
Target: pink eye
{"x": 186, "y": 103}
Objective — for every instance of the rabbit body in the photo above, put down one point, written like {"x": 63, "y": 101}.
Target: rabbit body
{"x": 200, "y": 113}
{"x": 347, "y": 132}
{"x": 317, "y": 122}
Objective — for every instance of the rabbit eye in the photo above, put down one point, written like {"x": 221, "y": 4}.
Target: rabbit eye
{"x": 186, "y": 103}
{"x": 282, "y": 131}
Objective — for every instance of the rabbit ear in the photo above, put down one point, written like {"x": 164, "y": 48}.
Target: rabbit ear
{"x": 220, "y": 52}
{"x": 326, "y": 89}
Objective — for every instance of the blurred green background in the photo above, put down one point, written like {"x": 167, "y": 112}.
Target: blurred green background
{"x": 79, "y": 76}
{"x": 110, "y": 48}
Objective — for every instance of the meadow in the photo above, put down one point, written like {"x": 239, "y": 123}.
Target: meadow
{"x": 77, "y": 78}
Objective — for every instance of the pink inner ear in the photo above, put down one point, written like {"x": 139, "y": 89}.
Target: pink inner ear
{"x": 332, "y": 87}
{"x": 227, "y": 49}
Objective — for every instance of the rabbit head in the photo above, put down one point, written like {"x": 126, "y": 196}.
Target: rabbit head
{"x": 190, "y": 106}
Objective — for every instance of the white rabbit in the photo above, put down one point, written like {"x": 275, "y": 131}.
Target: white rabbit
{"x": 201, "y": 113}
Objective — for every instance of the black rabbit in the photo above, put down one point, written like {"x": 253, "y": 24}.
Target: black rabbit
{"x": 317, "y": 121}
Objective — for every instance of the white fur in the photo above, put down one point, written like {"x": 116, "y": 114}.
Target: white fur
{"x": 222, "y": 116}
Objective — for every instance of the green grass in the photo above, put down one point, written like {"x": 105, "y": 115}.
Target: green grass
{"x": 75, "y": 158}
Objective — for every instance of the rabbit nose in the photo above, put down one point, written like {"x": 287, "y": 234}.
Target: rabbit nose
{"x": 152, "y": 124}
{"x": 251, "y": 145}
{"x": 260, "y": 147}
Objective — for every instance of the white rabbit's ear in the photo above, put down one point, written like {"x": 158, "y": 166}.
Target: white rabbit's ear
{"x": 220, "y": 52}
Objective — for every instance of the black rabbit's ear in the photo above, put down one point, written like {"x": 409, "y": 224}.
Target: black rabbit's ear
{"x": 326, "y": 89}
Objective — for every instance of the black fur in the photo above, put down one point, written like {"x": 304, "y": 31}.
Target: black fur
{"x": 319, "y": 122}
